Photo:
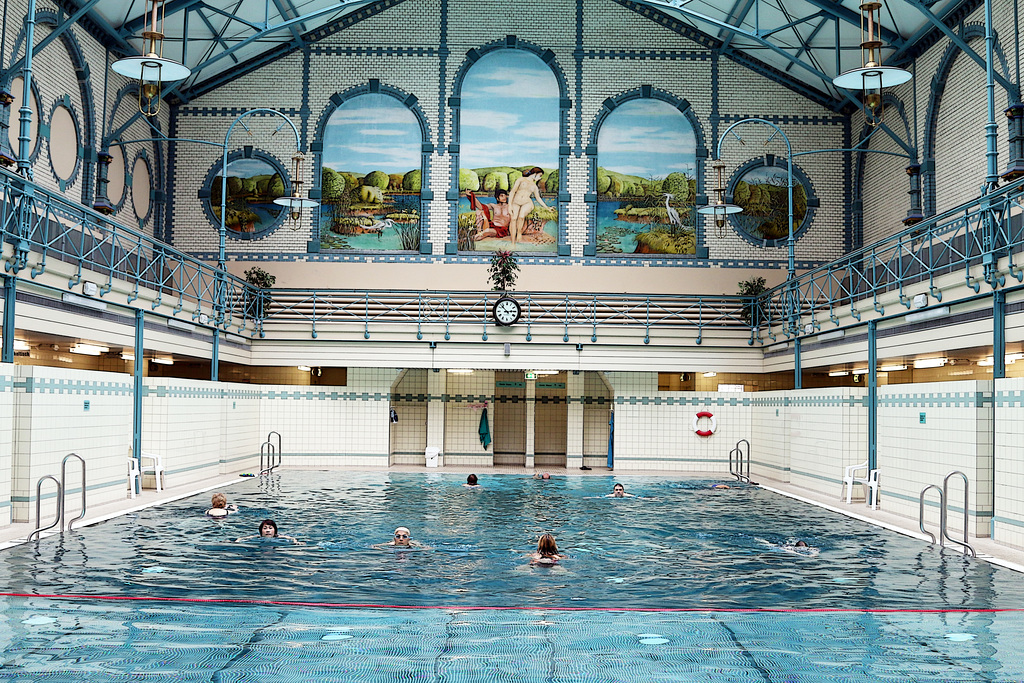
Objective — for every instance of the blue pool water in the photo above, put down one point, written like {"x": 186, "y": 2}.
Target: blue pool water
{"x": 679, "y": 546}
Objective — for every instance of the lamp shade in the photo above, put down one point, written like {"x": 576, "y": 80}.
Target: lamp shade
{"x": 872, "y": 77}
{"x": 141, "y": 67}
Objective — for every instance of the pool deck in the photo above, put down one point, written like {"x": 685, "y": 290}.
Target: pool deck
{"x": 1010, "y": 558}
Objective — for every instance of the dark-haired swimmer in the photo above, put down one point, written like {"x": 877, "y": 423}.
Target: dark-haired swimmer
{"x": 619, "y": 491}
{"x": 538, "y": 475}
{"x": 471, "y": 482}
{"x": 268, "y": 529}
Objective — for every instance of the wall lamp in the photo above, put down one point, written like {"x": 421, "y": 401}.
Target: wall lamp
{"x": 720, "y": 210}
{"x": 150, "y": 68}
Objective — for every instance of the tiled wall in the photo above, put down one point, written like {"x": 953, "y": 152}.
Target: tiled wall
{"x": 770, "y": 451}
{"x": 409, "y": 401}
{"x": 597, "y": 406}
{"x": 955, "y": 433}
{"x": 551, "y": 422}
{"x": 509, "y": 418}
{"x": 6, "y": 439}
{"x": 828, "y": 430}
{"x": 57, "y": 412}
{"x": 1008, "y": 518}
{"x": 467, "y": 394}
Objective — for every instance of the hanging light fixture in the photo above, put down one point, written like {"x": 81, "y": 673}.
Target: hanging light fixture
{"x": 872, "y": 75}
{"x": 720, "y": 210}
{"x": 150, "y": 68}
{"x": 296, "y": 203}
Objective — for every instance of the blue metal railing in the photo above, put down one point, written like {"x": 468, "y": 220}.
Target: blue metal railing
{"x": 42, "y": 226}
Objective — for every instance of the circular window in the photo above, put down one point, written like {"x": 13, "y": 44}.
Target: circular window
{"x": 141, "y": 187}
{"x": 115, "y": 176}
{"x": 760, "y": 188}
{"x": 17, "y": 89}
{"x": 63, "y": 143}
{"x": 254, "y": 181}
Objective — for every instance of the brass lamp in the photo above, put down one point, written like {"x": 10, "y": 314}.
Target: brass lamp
{"x": 719, "y": 210}
{"x": 296, "y": 203}
{"x": 150, "y": 69}
{"x": 872, "y": 75}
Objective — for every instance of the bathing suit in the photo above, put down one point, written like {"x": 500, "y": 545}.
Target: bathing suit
{"x": 217, "y": 513}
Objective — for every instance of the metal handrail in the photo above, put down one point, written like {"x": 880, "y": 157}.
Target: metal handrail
{"x": 942, "y": 519}
{"x": 39, "y": 500}
{"x": 267, "y": 459}
{"x": 64, "y": 486}
{"x": 737, "y": 461}
{"x": 280, "y": 449}
{"x": 945, "y": 512}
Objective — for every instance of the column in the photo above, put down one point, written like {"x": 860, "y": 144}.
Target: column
{"x": 436, "y": 388}
{"x": 574, "y": 422}
{"x": 531, "y": 418}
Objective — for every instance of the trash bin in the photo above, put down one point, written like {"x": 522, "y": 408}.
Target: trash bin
{"x": 433, "y": 457}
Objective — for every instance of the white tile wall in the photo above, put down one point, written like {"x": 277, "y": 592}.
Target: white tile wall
{"x": 1008, "y": 490}
{"x": 7, "y": 374}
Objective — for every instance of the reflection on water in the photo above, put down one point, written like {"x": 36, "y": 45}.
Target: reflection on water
{"x": 678, "y": 544}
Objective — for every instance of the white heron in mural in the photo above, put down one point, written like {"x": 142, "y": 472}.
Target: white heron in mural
{"x": 380, "y": 226}
{"x": 673, "y": 215}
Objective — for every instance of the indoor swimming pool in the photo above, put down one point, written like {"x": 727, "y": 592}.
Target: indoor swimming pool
{"x": 680, "y": 583}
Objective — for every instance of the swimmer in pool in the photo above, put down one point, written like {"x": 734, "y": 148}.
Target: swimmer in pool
{"x": 268, "y": 529}
{"x": 471, "y": 482}
{"x": 220, "y": 507}
{"x": 538, "y": 475}
{"x": 402, "y": 539}
{"x": 547, "y": 552}
{"x": 720, "y": 487}
{"x": 619, "y": 491}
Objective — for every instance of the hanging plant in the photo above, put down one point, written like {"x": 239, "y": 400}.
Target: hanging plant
{"x": 503, "y": 271}
{"x": 257, "y": 277}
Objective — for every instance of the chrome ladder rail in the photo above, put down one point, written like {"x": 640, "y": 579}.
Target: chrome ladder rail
{"x": 942, "y": 517}
{"x": 968, "y": 549}
{"x": 64, "y": 488}
{"x": 738, "y": 461}
{"x": 266, "y": 458}
{"x": 39, "y": 500}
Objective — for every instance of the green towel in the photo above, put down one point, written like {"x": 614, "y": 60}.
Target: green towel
{"x": 485, "y": 430}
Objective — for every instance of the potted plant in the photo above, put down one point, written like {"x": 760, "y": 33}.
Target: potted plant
{"x": 503, "y": 271}
{"x": 256, "y": 306}
{"x": 753, "y": 288}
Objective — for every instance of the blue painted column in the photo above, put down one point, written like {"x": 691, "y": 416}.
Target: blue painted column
{"x": 140, "y": 321}
{"x": 798, "y": 374}
{"x": 872, "y": 396}
{"x": 215, "y": 359}
{"x": 10, "y": 293}
{"x": 998, "y": 334}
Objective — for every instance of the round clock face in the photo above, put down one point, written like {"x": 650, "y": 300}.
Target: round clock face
{"x": 506, "y": 311}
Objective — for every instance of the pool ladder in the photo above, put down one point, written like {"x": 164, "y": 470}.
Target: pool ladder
{"x": 944, "y": 514}
{"x": 739, "y": 462}
{"x": 270, "y": 457}
{"x": 61, "y": 507}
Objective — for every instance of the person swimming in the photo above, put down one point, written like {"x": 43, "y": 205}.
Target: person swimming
{"x": 471, "y": 482}
{"x": 547, "y": 552}
{"x": 268, "y": 529}
{"x": 619, "y": 491}
{"x": 538, "y": 475}
{"x": 220, "y": 507}
{"x": 402, "y": 539}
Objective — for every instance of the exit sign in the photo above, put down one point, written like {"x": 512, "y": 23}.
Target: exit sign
{"x": 531, "y": 375}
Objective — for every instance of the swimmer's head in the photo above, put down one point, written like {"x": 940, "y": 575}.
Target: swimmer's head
{"x": 471, "y": 480}
{"x": 801, "y": 544}
{"x": 268, "y": 528}
{"x": 618, "y": 491}
{"x": 219, "y": 500}
{"x": 546, "y": 545}
{"x": 720, "y": 486}
{"x": 545, "y": 476}
{"x": 402, "y": 536}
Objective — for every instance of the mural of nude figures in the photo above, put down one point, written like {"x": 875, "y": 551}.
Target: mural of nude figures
{"x": 646, "y": 180}
{"x": 508, "y": 163}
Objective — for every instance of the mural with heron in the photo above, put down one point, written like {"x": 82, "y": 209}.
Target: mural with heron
{"x": 370, "y": 177}
{"x": 646, "y": 180}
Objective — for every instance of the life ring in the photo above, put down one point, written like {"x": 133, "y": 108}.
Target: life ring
{"x": 704, "y": 432}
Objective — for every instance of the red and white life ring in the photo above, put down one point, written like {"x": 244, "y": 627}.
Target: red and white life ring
{"x": 704, "y": 432}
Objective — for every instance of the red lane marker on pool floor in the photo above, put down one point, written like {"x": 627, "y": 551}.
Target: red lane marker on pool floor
{"x": 545, "y": 608}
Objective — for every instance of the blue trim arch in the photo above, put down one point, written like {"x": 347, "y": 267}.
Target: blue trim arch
{"x": 411, "y": 102}
{"x": 772, "y": 161}
{"x": 889, "y": 103}
{"x": 968, "y": 32}
{"x": 206, "y": 192}
{"x": 473, "y": 56}
{"x": 592, "y": 152}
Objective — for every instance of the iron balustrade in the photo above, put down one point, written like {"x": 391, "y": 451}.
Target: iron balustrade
{"x": 977, "y": 233}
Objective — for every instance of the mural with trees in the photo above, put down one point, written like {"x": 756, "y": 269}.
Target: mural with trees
{"x": 646, "y": 181}
{"x": 508, "y": 162}
{"x": 762, "y": 192}
{"x": 253, "y": 185}
{"x": 370, "y": 177}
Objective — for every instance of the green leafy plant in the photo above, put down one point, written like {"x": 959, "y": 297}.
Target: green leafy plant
{"x": 753, "y": 288}
{"x": 503, "y": 271}
{"x": 256, "y": 306}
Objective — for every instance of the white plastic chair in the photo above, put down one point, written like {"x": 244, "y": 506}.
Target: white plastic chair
{"x": 134, "y": 475}
{"x": 870, "y": 483}
{"x": 154, "y": 467}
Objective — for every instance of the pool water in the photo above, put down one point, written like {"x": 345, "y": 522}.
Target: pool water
{"x": 470, "y": 607}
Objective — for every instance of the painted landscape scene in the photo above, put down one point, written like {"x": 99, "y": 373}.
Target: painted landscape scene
{"x": 762, "y": 192}
{"x": 646, "y": 181}
{"x": 252, "y": 185}
{"x": 370, "y": 177}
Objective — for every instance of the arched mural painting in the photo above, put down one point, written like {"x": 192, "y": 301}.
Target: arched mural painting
{"x": 508, "y": 161}
{"x": 646, "y": 180}
{"x": 371, "y": 176}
